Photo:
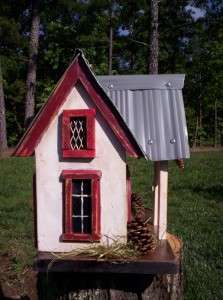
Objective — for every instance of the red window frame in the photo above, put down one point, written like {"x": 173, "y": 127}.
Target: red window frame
{"x": 67, "y": 151}
{"x": 94, "y": 176}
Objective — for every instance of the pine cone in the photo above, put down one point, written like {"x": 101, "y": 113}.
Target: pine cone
{"x": 138, "y": 207}
{"x": 141, "y": 237}
{"x": 180, "y": 163}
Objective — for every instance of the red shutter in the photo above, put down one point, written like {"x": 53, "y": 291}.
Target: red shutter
{"x": 65, "y": 131}
{"x": 96, "y": 214}
{"x": 68, "y": 205}
{"x": 91, "y": 129}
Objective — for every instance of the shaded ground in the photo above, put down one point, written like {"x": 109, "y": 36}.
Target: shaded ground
{"x": 7, "y": 153}
{"x": 16, "y": 286}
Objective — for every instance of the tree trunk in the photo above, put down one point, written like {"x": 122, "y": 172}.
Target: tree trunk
{"x": 163, "y": 286}
{"x": 110, "y": 50}
{"x": 195, "y": 134}
{"x": 154, "y": 37}
{"x": 3, "y": 133}
{"x": 110, "y": 54}
{"x": 32, "y": 64}
{"x": 200, "y": 122}
{"x": 215, "y": 124}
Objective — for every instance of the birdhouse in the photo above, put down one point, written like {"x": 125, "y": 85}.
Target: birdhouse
{"x": 80, "y": 139}
{"x": 80, "y": 143}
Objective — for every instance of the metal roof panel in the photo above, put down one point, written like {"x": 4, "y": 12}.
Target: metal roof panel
{"x": 155, "y": 114}
{"x": 142, "y": 82}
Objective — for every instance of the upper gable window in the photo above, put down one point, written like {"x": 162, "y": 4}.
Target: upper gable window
{"x": 78, "y": 133}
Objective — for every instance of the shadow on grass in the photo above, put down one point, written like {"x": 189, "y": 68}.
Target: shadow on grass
{"x": 214, "y": 192}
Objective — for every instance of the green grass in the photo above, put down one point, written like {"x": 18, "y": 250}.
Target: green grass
{"x": 195, "y": 214}
{"x": 16, "y": 223}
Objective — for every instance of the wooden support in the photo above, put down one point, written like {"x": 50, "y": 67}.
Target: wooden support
{"x": 160, "y": 198}
{"x": 118, "y": 281}
{"x": 160, "y": 261}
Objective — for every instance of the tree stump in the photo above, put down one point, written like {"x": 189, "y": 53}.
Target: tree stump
{"x": 103, "y": 286}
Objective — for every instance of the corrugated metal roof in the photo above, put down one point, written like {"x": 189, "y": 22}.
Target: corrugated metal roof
{"x": 153, "y": 108}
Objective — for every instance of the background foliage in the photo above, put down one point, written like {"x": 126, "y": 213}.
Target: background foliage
{"x": 191, "y": 42}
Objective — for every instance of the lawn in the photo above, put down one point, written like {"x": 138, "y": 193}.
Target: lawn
{"x": 195, "y": 215}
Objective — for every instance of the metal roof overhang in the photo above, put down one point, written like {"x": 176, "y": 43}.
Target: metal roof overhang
{"x": 153, "y": 108}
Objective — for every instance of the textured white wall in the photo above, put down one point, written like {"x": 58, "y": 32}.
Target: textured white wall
{"x": 110, "y": 160}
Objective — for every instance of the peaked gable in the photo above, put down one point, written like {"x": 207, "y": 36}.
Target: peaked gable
{"x": 78, "y": 71}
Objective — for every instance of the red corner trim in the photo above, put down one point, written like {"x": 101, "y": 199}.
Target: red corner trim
{"x": 78, "y": 70}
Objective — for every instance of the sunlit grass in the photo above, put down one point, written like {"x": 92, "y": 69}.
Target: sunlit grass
{"x": 195, "y": 214}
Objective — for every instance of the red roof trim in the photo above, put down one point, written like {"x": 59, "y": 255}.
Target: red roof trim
{"x": 78, "y": 70}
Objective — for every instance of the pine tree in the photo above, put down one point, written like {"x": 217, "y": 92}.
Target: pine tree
{"x": 154, "y": 37}
{"x": 3, "y": 133}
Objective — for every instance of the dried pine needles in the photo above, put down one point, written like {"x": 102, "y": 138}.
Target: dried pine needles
{"x": 117, "y": 250}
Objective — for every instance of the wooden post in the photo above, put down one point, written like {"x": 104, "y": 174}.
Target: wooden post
{"x": 160, "y": 198}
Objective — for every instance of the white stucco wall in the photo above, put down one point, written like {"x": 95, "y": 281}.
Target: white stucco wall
{"x": 110, "y": 160}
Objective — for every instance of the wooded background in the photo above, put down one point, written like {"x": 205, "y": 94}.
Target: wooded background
{"x": 38, "y": 40}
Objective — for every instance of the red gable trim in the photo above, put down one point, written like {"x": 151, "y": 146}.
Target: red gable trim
{"x": 78, "y": 70}
{"x": 36, "y": 129}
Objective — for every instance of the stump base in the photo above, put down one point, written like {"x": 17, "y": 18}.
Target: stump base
{"x": 144, "y": 278}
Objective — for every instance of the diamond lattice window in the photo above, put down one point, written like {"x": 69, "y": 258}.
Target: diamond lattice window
{"x": 78, "y": 133}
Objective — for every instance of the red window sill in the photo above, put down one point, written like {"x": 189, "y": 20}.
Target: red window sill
{"x": 72, "y": 237}
{"x": 78, "y": 153}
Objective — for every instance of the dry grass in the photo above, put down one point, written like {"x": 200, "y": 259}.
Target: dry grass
{"x": 117, "y": 250}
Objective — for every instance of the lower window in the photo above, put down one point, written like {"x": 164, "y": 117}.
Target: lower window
{"x": 81, "y": 205}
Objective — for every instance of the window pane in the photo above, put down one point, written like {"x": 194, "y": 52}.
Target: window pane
{"x": 87, "y": 206}
{"x": 78, "y": 133}
{"x": 87, "y": 225}
{"x": 87, "y": 187}
{"x": 76, "y": 206}
{"x": 83, "y": 185}
{"x": 76, "y": 186}
{"x": 77, "y": 225}
{"x": 81, "y": 205}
